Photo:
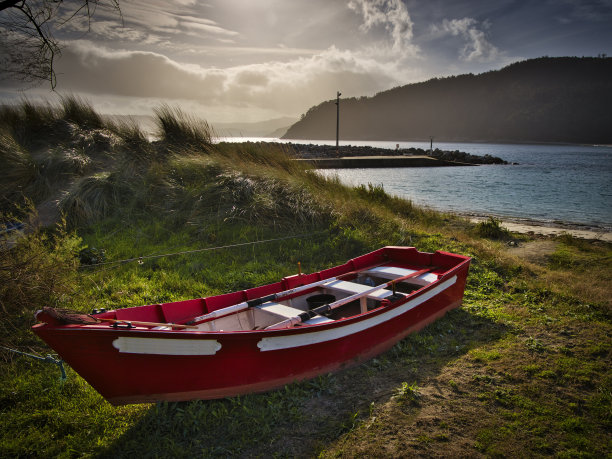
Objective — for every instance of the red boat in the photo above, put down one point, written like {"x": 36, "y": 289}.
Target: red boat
{"x": 262, "y": 338}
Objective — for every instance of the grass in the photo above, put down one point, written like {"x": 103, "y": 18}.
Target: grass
{"x": 521, "y": 369}
{"x": 492, "y": 229}
{"x": 179, "y": 130}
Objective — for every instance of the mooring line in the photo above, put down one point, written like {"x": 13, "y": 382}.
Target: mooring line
{"x": 187, "y": 252}
{"x": 49, "y": 358}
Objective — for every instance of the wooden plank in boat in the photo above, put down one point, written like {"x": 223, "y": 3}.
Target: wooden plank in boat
{"x": 289, "y": 312}
{"x": 393, "y": 272}
{"x": 352, "y": 288}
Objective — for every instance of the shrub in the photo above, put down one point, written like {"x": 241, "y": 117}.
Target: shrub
{"x": 36, "y": 269}
{"x": 375, "y": 193}
{"x": 492, "y": 229}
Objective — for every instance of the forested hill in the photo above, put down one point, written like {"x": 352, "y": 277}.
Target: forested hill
{"x": 539, "y": 100}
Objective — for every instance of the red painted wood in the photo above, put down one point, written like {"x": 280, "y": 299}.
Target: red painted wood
{"x": 240, "y": 366}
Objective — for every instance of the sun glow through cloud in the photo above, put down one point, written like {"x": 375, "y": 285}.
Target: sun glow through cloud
{"x": 245, "y": 61}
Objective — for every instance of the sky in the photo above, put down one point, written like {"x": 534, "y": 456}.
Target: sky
{"x": 254, "y": 60}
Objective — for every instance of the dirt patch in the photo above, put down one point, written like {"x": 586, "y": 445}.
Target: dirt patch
{"x": 537, "y": 251}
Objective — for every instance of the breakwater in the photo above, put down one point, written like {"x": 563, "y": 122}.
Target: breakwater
{"x": 313, "y": 151}
{"x": 363, "y": 156}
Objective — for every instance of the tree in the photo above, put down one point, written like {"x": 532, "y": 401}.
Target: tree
{"x": 28, "y": 48}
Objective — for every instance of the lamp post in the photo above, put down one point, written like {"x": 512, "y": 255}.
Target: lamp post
{"x": 337, "y": 121}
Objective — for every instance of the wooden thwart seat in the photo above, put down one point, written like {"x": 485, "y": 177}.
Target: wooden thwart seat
{"x": 353, "y": 288}
{"x": 393, "y": 272}
{"x": 288, "y": 312}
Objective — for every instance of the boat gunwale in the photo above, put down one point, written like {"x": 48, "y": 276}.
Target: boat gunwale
{"x": 302, "y": 329}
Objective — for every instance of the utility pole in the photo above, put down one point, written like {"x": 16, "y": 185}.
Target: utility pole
{"x": 338, "y": 121}
{"x": 431, "y": 143}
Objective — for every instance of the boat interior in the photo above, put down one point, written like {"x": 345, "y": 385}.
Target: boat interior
{"x": 272, "y": 313}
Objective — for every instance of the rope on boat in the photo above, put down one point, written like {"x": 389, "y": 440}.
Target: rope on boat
{"x": 48, "y": 358}
{"x": 141, "y": 259}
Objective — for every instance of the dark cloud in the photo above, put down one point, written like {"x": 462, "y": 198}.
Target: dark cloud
{"x": 233, "y": 58}
{"x": 288, "y": 88}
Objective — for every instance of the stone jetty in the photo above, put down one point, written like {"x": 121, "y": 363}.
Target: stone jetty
{"x": 355, "y": 156}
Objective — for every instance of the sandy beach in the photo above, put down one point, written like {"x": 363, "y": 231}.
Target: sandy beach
{"x": 550, "y": 229}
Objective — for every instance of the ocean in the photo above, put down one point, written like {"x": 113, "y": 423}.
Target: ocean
{"x": 570, "y": 184}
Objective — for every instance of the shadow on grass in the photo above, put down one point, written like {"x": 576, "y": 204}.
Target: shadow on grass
{"x": 302, "y": 418}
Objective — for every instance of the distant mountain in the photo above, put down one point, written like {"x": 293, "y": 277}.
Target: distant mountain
{"x": 270, "y": 128}
{"x": 564, "y": 99}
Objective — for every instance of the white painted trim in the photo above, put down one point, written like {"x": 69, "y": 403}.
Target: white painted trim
{"x": 273, "y": 343}
{"x": 161, "y": 346}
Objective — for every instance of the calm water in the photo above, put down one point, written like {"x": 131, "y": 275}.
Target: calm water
{"x": 564, "y": 183}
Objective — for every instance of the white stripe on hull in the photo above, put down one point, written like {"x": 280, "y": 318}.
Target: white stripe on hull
{"x": 165, "y": 346}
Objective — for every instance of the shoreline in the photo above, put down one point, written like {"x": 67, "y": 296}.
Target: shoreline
{"x": 549, "y": 229}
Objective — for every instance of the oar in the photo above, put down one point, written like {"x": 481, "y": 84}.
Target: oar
{"x": 321, "y": 310}
{"x": 264, "y": 299}
{"x": 63, "y": 316}
{"x": 145, "y": 324}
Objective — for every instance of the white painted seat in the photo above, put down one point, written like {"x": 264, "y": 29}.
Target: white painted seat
{"x": 353, "y": 288}
{"x": 392, "y": 272}
{"x": 288, "y": 312}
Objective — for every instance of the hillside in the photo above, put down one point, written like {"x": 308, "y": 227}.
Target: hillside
{"x": 540, "y": 100}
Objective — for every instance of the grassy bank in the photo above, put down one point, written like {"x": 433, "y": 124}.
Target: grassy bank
{"x": 521, "y": 369}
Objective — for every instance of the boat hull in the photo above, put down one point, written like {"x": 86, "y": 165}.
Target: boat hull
{"x": 143, "y": 365}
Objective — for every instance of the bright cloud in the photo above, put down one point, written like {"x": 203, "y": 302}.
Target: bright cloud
{"x": 285, "y": 87}
{"x": 229, "y": 60}
{"x": 393, "y": 16}
{"x": 476, "y": 46}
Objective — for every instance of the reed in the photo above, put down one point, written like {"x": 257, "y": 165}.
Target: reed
{"x": 135, "y": 148}
{"x": 31, "y": 125}
{"x": 19, "y": 172}
{"x": 180, "y": 130}
{"x": 79, "y": 111}
{"x": 91, "y": 199}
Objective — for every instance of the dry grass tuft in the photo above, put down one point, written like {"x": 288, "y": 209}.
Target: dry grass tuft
{"x": 179, "y": 130}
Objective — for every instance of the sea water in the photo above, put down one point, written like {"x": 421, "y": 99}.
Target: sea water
{"x": 548, "y": 183}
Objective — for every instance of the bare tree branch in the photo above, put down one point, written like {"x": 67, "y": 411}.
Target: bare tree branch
{"x": 28, "y": 49}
